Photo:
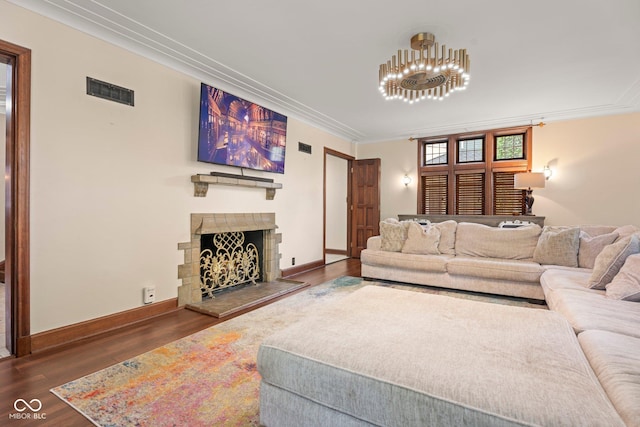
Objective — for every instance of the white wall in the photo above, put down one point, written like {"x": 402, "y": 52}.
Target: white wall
{"x": 110, "y": 184}
{"x": 596, "y": 170}
{"x": 110, "y": 190}
{"x": 398, "y": 158}
{"x": 336, "y": 205}
{"x": 596, "y": 174}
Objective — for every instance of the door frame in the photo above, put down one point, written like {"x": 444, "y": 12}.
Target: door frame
{"x": 17, "y": 265}
{"x": 349, "y": 159}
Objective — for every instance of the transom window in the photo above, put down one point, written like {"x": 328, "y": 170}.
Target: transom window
{"x": 470, "y": 150}
{"x": 435, "y": 153}
{"x": 510, "y": 147}
{"x": 473, "y": 173}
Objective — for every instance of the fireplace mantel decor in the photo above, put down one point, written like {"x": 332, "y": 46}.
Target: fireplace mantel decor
{"x": 201, "y": 184}
{"x": 202, "y": 224}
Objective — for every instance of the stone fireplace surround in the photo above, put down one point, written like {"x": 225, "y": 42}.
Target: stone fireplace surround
{"x": 210, "y": 223}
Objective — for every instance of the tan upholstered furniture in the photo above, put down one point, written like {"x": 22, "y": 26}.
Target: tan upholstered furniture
{"x": 430, "y": 360}
{"x": 443, "y": 361}
{"x": 480, "y": 258}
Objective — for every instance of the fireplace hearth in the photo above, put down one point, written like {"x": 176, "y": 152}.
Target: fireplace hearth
{"x": 228, "y": 258}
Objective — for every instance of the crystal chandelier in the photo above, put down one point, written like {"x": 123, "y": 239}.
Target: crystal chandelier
{"x": 426, "y": 73}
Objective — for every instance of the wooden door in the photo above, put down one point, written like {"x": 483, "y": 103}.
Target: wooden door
{"x": 365, "y": 207}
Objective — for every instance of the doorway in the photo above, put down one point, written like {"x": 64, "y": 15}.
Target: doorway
{"x": 17, "y": 62}
{"x": 4, "y": 349}
{"x": 337, "y": 224}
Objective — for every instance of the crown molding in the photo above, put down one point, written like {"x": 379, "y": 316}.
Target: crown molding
{"x": 97, "y": 19}
{"x": 112, "y": 27}
{"x": 506, "y": 122}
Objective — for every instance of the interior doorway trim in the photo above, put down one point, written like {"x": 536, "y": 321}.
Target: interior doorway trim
{"x": 17, "y": 194}
{"x": 331, "y": 152}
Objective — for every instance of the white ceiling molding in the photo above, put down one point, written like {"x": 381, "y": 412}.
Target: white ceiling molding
{"x": 319, "y": 62}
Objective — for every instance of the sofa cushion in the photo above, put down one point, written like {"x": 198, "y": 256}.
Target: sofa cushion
{"x": 433, "y": 263}
{"x": 506, "y": 243}
{"x": 611, "y": 259}
{"x": 615, "y": 359}
{"x": 565, "y": 278}
{"x": 591, "y": 246}
{"x": 493, "y": 268}
{"x": 399, "y": 358}
{"x": 558, "y": 246}
{"x": 593, "y": 310}
{"x": 422, "y": 240}
{"x": 393, "y": 233}
{"x": 447, "y": 236}
{"x": 561, "y": 278}
{"x": 626, "y": 284}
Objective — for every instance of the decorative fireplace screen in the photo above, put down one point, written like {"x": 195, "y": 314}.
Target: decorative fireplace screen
{"x": 229, "y": 262}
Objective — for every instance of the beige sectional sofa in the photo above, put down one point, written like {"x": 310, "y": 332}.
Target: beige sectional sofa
{"x": 474, "y": 257}
{"x": 479, "y": 258}
{"x": 435, "y": 360}
{"x": 608, "y": 331}
{"x": 587, "y": 276}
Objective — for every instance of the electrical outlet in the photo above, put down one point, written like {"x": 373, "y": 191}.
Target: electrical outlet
{"x": 149, "y": 294}
{"x": 293, "y": 261}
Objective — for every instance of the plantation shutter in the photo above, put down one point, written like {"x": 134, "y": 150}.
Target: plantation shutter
{"x": 435, "y": 194}
{"x": 506, "y": 199}
{"x": 470, "y": 194}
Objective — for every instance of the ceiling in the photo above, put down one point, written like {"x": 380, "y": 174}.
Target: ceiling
{"x": 537, "y": 61}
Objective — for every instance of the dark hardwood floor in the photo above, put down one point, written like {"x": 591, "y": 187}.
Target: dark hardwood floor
{"x": 32, "y": 376}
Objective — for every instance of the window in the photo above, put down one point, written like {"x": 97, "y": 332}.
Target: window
{"x": 470, "y": 150}
{"x": 436, "y": 195}
{"x": 510, "y": 147}
{"x": 506, "y": 199}
{"x": 470, "y": 194}
{"x": 435, "y": 153}
{"x": 472, "y": 174}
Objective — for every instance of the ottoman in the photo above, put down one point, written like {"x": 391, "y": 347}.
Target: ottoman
{"x": 390, "y": 357}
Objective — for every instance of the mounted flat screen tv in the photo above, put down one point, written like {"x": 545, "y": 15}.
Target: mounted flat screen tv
{"x": 236, "y": 132}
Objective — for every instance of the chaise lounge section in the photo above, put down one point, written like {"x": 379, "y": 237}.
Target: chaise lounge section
{"x": 429, "y": 360}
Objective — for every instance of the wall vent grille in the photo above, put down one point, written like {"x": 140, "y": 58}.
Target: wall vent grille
{"x": 305, "y": 148}
{"x": 109, "y": 91}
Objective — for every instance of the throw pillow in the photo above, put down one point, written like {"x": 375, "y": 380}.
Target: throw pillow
{"x": 590, "y": 247}
{"x": 393, "y": 234}
{"x": 611, "y": 259}
{"x": 626, "y": 284}
{"x": 626, "y": 231}
{"x": 422, "y": 240}
{"x": 447, "y": 236}
{"x": 558, "y": 246}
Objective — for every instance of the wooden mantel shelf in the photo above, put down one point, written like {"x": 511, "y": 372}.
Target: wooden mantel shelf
{"x": 201, "y": 184}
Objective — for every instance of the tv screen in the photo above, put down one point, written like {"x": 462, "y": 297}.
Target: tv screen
{"x": 236, "y": 132}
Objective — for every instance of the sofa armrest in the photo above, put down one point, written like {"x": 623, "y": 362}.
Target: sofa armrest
{"x": 374, "y": 243}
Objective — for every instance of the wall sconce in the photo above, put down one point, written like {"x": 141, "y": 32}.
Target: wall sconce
{"x": 547, "y": 172}
{"x": 406, "y": 180}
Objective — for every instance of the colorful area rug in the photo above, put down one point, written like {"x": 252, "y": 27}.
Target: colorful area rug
{"x": 208, "y": 378}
